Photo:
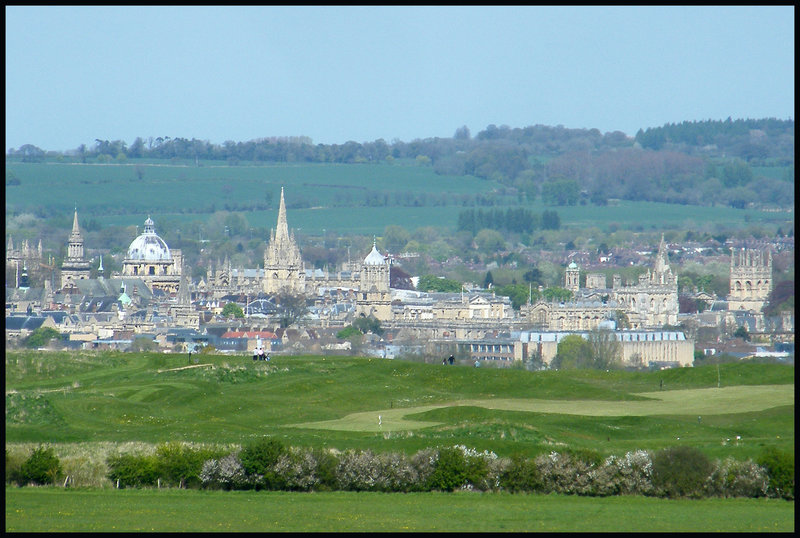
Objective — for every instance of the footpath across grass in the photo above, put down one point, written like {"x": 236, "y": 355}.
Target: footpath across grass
{"x": 48, "y": 509}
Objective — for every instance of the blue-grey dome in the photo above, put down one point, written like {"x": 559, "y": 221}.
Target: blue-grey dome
{"x": 149, "y": 246}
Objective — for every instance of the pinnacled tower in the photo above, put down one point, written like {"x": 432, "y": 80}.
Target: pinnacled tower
{"x": 374, "y": 295}
{"x": 662, "y": 274}
{"x": 74, "y": 267}
{"x": 751, "y": 279}
{"x": 283, "y": 266}
{"x": 653, "y": 300}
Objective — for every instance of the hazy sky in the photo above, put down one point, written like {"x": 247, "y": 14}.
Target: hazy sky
{"x": 76, "y": 74}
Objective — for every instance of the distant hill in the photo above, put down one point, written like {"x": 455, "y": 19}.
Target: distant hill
{"x": 739, "y": 163}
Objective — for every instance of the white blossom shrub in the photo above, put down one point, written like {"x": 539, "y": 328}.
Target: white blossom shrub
{"x": 397, "y": 472}
{"x": 732, "y": 478}
{"x": 296, "y": 469}
{"x": 629, "y": 475}
{"x": 563, "y": 473}
{"x": 225, "y": 473}
{"x": 424, "y": 463}
{"x": 358, "y": 470}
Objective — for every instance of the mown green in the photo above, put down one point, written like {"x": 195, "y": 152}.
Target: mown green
{"x": 65, "y": 397}
{"x": 56, "y": 510}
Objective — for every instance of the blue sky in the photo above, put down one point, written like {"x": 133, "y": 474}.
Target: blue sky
{"x": 76, "y": 74}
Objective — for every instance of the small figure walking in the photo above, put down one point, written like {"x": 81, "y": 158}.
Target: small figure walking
{"x": 255, "y": 354}
{"x": 444, "y": 361}
{"x": 661, "y": 384}
{"x": 451, "y": 359}
{"x": 699, "y": 419}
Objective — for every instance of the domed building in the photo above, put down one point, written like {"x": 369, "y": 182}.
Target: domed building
{"x": 150, "y": 259}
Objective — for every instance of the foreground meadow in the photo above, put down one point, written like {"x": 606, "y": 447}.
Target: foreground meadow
{"x": 87, "y": 406}
{"x": 54, "y": 510}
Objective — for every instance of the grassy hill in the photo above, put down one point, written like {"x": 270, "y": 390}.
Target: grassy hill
{"x": 336, "y": 401}
{"x": 343, "y": 198}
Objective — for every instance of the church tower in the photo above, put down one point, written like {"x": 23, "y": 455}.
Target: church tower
{"x": 283, "y": 266}
{"x": 572, "y": 278}
{"x": 750, "y": 280}
{"x": 74, "y": 267}
{"x": 374, "y": 296}
{"x": 662, "y": 274}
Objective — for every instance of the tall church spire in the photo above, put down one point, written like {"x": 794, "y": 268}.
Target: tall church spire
{"x": 76, "y": 230}
{"x": 662, "y": 261}
{"x": 75, "y": 245}
{"x": 283, "y": 265}
{"x": 74, "y": 267}
{"x": 282, "y": 231}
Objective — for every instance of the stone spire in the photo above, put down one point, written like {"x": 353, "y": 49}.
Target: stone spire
{"x": 283, "y": 265}
{"x": 662, "y": 273}
{"x": 75, "y": 246}
{"x": 74, "y": 267}
{"x": 184, "y": 296}
{"x": 282, "y": 230}
{"x": 282, "y": 249}
{"x": 76, "y": 230}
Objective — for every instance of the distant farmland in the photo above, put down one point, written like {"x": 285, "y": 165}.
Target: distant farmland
{"x": 354, "y": 198}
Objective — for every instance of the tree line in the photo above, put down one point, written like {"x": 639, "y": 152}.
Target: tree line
{"x": 688, "y": 163}
{"x": 517, "y": 220}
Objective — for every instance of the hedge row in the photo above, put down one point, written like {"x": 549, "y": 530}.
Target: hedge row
{"x": 269, "y": 465}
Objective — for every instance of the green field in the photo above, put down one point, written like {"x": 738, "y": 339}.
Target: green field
{"x": 54, "y": 510}
{"x": 356, "y": 198}
{"x": 88, "y": 405}
{"x": 310, "y": 401}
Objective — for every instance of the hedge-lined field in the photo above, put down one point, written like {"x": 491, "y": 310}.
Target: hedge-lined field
{"x": 145, "y": 420}
{"x": 170, "y": 510}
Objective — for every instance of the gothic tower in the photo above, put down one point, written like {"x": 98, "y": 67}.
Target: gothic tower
{"x": 374, "y": 296}
{"x": 74, "y": 267}
{"x": 750, "y": 280}
{"x": 283, "y": 266}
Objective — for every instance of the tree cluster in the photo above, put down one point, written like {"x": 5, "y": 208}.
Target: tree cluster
{"x": 515, "y": 220}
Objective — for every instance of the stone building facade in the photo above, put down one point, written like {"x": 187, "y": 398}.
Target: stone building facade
{"x": 651, "y": 302}
{"x": 750, "y": 279}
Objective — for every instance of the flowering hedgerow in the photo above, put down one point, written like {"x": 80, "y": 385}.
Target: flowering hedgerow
{"x": 732, "y": 478}
{"x": 444, "y": 468}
